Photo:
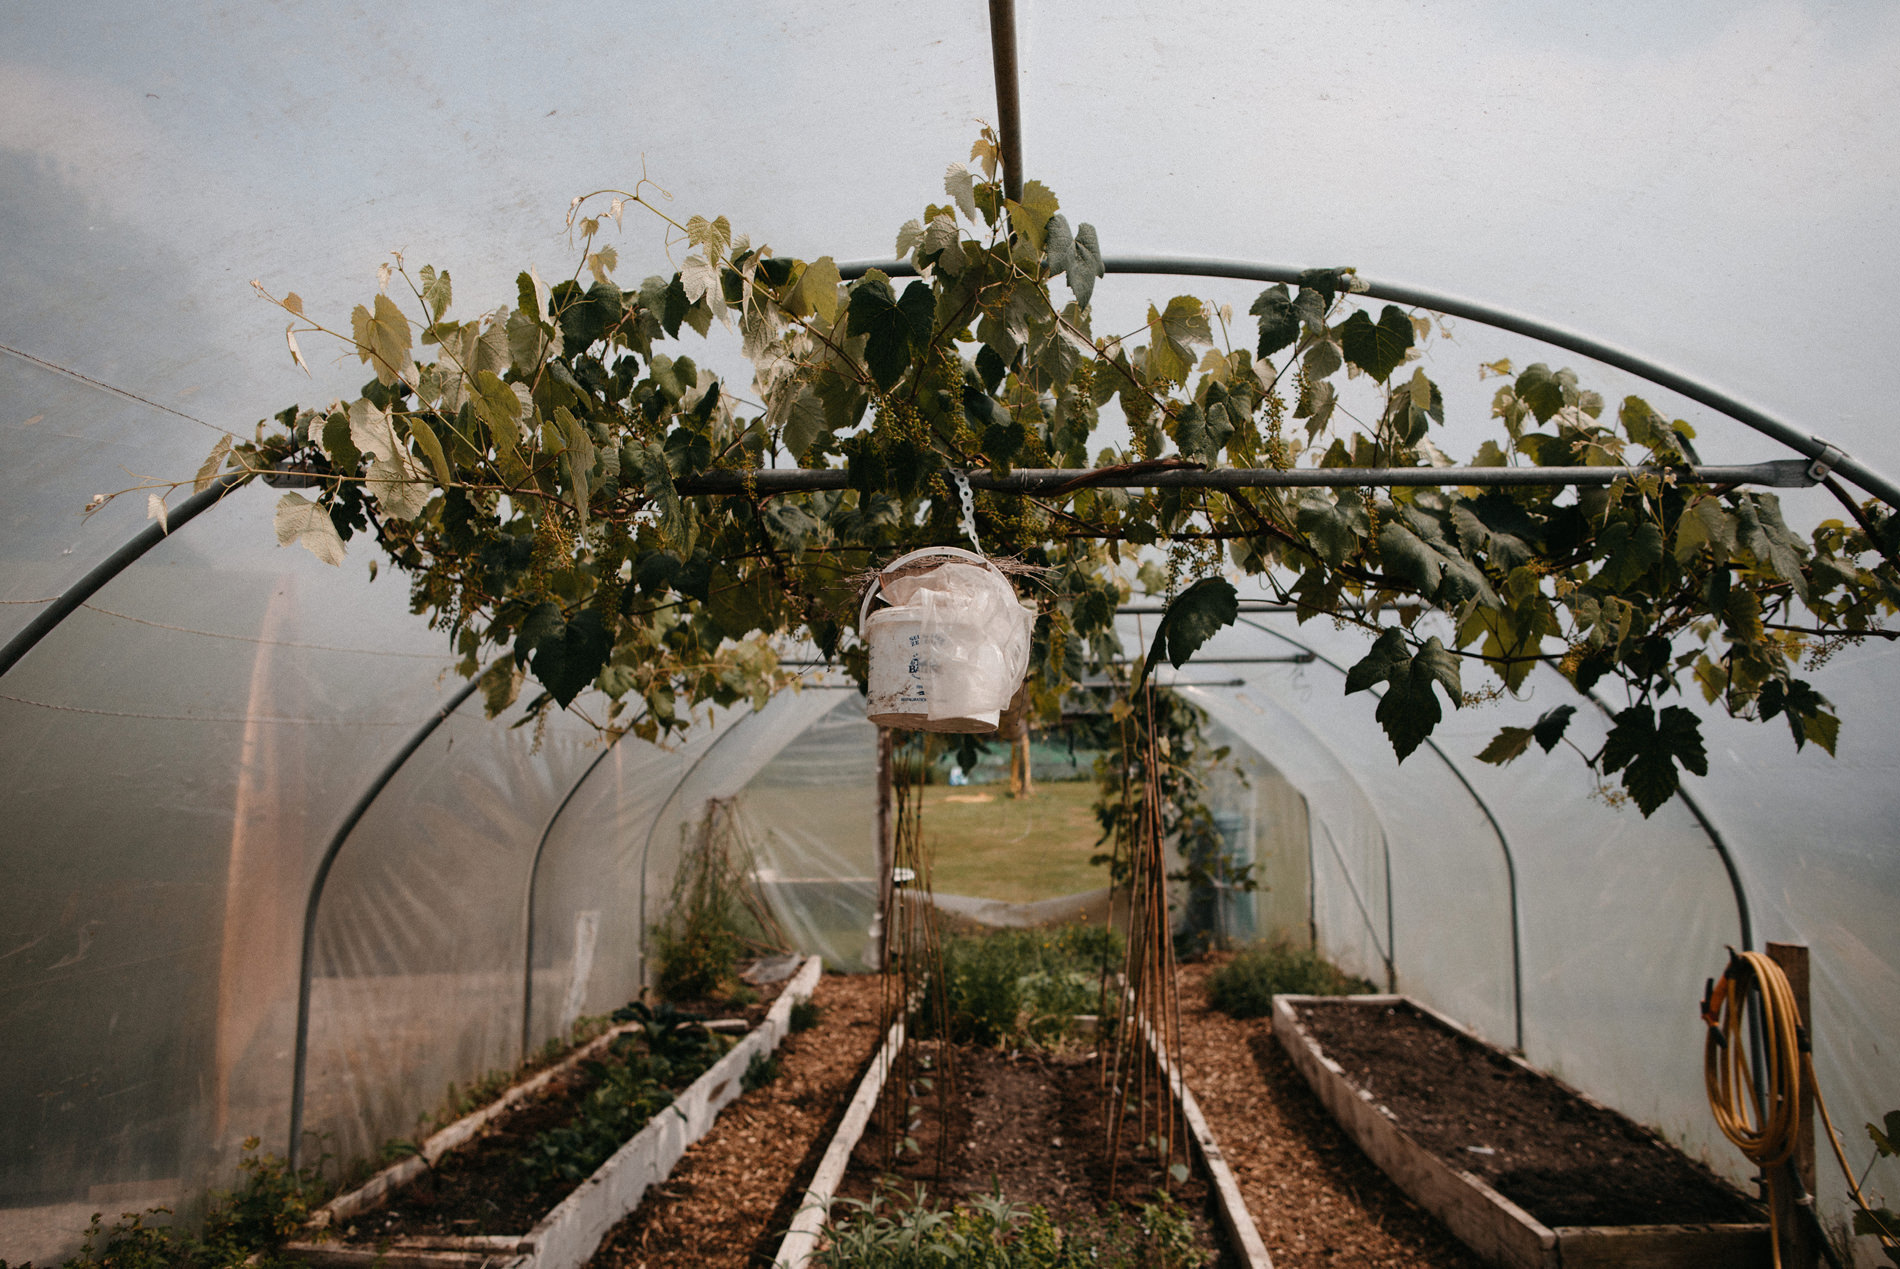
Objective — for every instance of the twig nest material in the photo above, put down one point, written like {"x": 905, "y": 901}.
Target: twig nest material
{"x": 950, "y": 645}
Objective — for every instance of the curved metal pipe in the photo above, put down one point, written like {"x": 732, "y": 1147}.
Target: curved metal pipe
{"x": 534, "y": 876}
{"x": 307, "y": 968}
{"x": 1504, "y": 845}
{"x": 80, "y": 591}
{"x": 646, "y": 848}
{"x": 1826, "y": 455}
{"x": 1742, "y": 914}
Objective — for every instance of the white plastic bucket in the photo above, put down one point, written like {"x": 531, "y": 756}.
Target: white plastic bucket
{"x": 951, "y": 657}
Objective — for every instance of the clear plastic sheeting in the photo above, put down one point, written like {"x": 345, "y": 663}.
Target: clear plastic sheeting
{"x": 180, "y": 753}
{"x": 1264, "y": 822}
{"x": 810, "y": 813}
{"x": 417, "y": 975}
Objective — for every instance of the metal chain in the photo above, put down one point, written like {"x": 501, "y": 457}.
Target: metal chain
{"x": 969, "y": 508}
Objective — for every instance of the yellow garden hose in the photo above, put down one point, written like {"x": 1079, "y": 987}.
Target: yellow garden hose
{"x": 1763, "y": 1119}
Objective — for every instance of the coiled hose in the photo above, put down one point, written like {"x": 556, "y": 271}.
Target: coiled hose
{"x": 1755, "y": 1027}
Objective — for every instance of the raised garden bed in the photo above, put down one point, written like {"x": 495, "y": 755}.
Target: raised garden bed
{"x": 1524, "y": 1170}
{"x": 1027, "y": 1124}
{"x": 465, "y": 1200}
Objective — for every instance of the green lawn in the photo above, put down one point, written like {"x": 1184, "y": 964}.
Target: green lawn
{"x": 993, "y": 846}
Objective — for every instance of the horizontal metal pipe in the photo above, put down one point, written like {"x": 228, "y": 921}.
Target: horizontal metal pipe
{"x": 1787, "y": 473}
{"x": 1813, "y": 447}
{"x": 1246, "y": 605}
{"x": 1297, "y": 658}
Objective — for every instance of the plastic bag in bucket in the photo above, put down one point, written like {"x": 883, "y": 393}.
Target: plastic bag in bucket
{"x": 951, "y": 648}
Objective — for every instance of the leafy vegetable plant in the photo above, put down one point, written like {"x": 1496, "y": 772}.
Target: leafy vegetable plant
{"x": 1245, "y": 986}
{"x": 1020, "y": 987}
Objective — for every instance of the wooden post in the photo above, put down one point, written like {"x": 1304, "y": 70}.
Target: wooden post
{"x": 1800, "y": 1231}
{"x": 886, "y": 846}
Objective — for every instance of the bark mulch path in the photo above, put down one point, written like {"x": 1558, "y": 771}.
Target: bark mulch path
{"x": 731, "y": 1198}
{"x": 1561, "y": 1159}
{"x": 1316, "y": 1199}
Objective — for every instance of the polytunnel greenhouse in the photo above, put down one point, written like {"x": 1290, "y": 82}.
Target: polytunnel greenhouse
{"x": 1472, "y": 415}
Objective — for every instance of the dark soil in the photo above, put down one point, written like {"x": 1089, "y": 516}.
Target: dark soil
{"x": 1028, "y": 1123}
{"x": 479, "y": 1188}
{"x": 1560, "y": 1158}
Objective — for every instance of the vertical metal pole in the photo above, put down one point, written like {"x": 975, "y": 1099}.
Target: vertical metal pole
{"x": 1009, "y": 122}
{"x": 886, "y": 841}
{"x": 1312, "y": 883}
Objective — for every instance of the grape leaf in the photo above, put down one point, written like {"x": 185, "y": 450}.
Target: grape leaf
{"x": 892, "y": 327}
{"x": 1550, "y": 726}
{"x": 1888, "y": 1142}
{"x": 1333, "y": 528}
{"x": 1543, "y": 391}
{"x": 565, "y": 661}
{"x": 805, "y": 424}
{"x": 1409, "y": 709}
{"x": 1194, "y": 617}
{"x": 1648, "y": 749}
{"x": 382, "y": 337}
{"x": 297, "y": 519}
{"x": 1279, "y": 324}
{"x": 1511, "y": 742}
{"x": 1173, "y": 333}
{"x": 1031, "y": 216}
{"x": 960, "y": 185}
{"x": 1085, "y": 264}
{"x": 1377, "y": 350}
{"x": 1506, "y": 747}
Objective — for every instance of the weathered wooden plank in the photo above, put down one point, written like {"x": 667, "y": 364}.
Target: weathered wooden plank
{"x": 1664, "y": 1246}
{"x": 795, "y": 1250}
{"x": 1478, "y": 1215}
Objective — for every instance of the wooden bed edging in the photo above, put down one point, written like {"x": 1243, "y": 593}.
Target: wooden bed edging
{"x": 1484, "y": 1220}
{"x": 801, "y": 1240}
{"x": 569, "y": 1234}
{"x": 1243, "y": 1235}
